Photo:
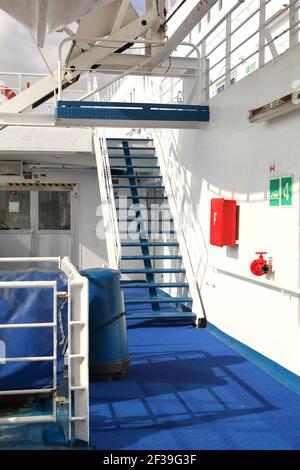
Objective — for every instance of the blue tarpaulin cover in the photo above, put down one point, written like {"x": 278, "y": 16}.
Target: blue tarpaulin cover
{"x": 23, "y": 305}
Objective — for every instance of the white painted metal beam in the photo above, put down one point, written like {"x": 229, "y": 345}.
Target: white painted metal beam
{"x": 122, "y": 62}
{"x": 47, "y": 120}
{"x": 27, "y": 120}
{"x": 271, "y": 43}
{"x": 129, "y": 124}
{"x": 185, "y": 27}
{"x": 120, "y": 16}
{"x": 262, "y": 36}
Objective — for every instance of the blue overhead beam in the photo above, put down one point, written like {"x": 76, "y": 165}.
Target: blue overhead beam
{"x": 89, "y": 112}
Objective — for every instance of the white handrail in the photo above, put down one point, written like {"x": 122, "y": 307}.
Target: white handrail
{"x": 104, "y": 40}
{"x": 109, "y": 212}
{"x": 259, "y": 282}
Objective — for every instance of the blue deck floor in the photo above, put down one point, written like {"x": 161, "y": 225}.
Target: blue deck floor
{"x": 186, "y": 389}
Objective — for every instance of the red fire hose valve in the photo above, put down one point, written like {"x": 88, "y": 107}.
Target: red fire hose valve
{"x": 260, "y": 266}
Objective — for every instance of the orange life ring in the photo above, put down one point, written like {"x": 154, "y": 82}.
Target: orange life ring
{"x": 7, "y": 92}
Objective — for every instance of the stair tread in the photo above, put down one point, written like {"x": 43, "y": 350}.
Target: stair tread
{"x": 136, "y": 186}
{"x": 149, "y": 232}
{"x": 149, "y": 244}
{"x": 151, "y": 300}
{"x": 154, "y": 210}
{"x": 117, "y": 147}
{"x": 161, "y": 316}
{"x": 137, "y": 157}
{"x": 125, "y": 167}
{"x": 153, "y": 271}
{"x": 145, "y": 220}
{"x": 140, "y": 285}
{"x": 133, "y": 257}
{"x": 125, "y": 139}
{"x": 138, "y": 177}
{"x": 141, "y": 197}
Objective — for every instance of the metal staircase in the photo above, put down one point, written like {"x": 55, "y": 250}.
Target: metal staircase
{"x": 153, "y": 277}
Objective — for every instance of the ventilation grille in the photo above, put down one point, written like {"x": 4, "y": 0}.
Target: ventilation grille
{"x": 11, "y": 168}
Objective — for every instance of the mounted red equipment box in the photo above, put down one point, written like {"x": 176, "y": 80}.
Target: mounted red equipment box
{"x": 223, "y": 215}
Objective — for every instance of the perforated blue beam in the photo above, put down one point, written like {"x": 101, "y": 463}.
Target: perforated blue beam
{"x": 77, "y": 113}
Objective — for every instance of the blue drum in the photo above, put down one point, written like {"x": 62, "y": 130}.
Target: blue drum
{"x": 108, "y": 346}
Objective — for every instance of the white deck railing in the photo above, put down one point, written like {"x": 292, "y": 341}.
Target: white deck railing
{"x": 224, "y": 54}
{"x": 20, "y": 81}
{"x": 77, "y": 354}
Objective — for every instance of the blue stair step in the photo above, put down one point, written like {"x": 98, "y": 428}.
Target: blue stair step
{"x": 142, "y": 197}
{"x": 126, "y": 167}
{"x": 140, "y": 285}
{"x": 136, "y": 186}
{"x": 153, "y": 271}
{"x": 162, "y": 316}
{"x": 138, "y": 177}
{"x": 155, "y": 232}
{"x": 161, "y": 300}
{"x": 138, "y": 219}
{"x": 116, "y": 147}
{"x": 189, "y": 317}
{"x": 130, "y": 139}
{"x": 136, "y": 209}
{"x": 149, "y": 244}
{"x": 138, "y": 157}
{"x": 131, "y": 257}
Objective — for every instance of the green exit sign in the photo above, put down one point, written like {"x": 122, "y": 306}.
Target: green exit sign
{"x": 251, "y": 67}
{"x": 281, "y": 191}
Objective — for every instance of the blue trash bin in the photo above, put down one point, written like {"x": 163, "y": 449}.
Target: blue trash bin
{"x": 108, "y": 347}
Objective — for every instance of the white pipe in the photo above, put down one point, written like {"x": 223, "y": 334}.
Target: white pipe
{"x": 27, "y": 420}
{"x": 28, "y": 359}
{"x": 29, "y": 391}
{"x": 24, "y": 74}
{"x": 27, "y": 284}
{"x": 54, "y": 342}
{"x": 31, "y": 260}
{"x": 276, "y": 287}
{"x": 26, "y": 325}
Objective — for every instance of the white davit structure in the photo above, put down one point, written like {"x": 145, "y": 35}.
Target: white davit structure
{"x": 42, "y": 17}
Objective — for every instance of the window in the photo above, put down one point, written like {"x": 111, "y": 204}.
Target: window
{"x": 14, "y": 210}
{"x": 54, "y": 210}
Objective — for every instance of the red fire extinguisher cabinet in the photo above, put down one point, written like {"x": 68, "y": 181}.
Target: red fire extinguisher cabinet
{"x": 223, "y": 222}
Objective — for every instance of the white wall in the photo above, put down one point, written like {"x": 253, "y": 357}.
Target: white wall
{"x": 44, "y": 139}
{"x": 231, "y": 158}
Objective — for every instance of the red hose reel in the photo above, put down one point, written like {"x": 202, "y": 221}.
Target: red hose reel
{"x": 260, "y": 266}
